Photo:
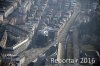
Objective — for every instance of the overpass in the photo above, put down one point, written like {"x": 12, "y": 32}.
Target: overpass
{"x": 61, "y": 38}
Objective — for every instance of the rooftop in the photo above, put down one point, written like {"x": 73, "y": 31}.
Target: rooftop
{"x": 6, "y": 6}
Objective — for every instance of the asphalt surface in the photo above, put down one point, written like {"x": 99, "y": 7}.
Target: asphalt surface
{"x": 75, "y": 46}
{"x": 64, "y": 32}
{"x": 62, "y": 36}
{"x": 33, "y": 53}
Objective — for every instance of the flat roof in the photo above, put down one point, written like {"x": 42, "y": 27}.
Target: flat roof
{"x": 17, "y": 28}
{"x": 6, "y": 5}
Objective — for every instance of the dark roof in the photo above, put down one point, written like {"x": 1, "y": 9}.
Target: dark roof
{"x": 18, "y": 28}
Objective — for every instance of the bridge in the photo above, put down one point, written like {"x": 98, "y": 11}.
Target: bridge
{"x": 61, "y": 38}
